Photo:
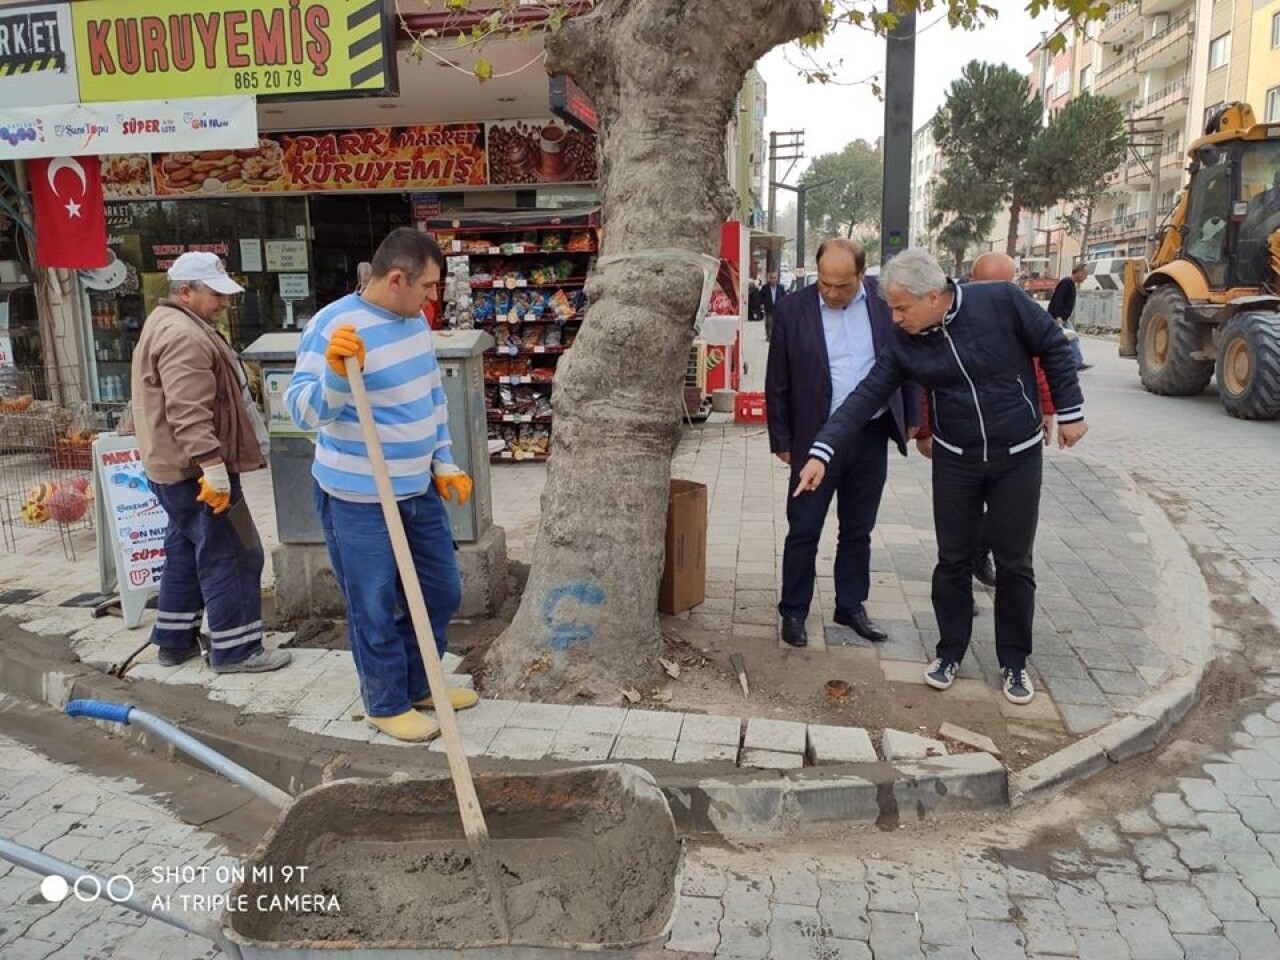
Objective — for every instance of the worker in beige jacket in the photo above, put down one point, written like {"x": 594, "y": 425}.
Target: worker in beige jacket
{"x": 198, "y": 430}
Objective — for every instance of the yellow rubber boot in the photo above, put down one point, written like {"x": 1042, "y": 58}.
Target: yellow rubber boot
{"x": 458, "y": 697}
{"x": 410, "y": 726}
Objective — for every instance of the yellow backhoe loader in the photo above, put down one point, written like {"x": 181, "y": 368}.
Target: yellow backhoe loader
{"x": 1211, "y": 301}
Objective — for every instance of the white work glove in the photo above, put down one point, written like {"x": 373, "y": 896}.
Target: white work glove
{"x": 215, "y": 486}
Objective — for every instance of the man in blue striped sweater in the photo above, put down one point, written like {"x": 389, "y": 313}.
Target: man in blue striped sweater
{"x": 383, "y": 328}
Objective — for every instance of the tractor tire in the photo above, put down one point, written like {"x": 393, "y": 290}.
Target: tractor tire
{"x": 1166, "y": 339}
{"x": 1249, "y": 366}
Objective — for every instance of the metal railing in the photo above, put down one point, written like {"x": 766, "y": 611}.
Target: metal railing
{"x": 1106, "y": 74}
{"x": 1178, "y": 86}
{"x": 1119, "y": 12}
{"x": 1157, "y": 39}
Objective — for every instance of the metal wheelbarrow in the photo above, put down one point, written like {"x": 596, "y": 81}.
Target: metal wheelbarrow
{"x": 588, "y": 860}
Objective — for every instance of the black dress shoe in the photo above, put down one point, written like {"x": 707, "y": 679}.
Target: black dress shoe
{"x": 793, "y": 632}
{"x": 984, "y": 571}
{"x": 862, "y": 625}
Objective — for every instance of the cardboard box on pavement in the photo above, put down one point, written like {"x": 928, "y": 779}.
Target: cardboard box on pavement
{"x": 684, "y": 578}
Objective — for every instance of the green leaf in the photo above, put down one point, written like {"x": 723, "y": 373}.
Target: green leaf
{"x": 458, "y": 5}
{"x": 483, "y": 70}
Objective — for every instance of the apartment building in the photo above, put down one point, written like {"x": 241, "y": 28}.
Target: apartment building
{"x": 1263, "y": 89}
{"x": 1143, "y": 54}
{"x": 926, "y": 167}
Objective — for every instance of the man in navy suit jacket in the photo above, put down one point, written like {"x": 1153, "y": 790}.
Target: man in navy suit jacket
{"x": 825, "y": 340}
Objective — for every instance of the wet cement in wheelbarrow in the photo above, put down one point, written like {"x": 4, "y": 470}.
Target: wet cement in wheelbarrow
{"x": 581, "y": 863}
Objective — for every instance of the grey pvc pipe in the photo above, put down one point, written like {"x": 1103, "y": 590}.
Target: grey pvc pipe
{"x": 48, "y": 866}
{"x": 211, "y": 758}
{"x": 127, "y": 713}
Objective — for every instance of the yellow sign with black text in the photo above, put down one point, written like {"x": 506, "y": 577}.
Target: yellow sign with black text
{"x": 205, "y": 48}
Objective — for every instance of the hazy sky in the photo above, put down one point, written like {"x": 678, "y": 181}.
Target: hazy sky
{"x": 832, "y": 115}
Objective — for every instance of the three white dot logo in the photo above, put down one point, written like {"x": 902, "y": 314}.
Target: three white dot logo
{"x": 87, "y": 888}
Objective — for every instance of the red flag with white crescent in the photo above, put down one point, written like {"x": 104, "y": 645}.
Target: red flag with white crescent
{"x": 71, "y": 221}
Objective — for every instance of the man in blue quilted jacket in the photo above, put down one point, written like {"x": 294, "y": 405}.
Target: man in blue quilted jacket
{"x": 971, "y": 347}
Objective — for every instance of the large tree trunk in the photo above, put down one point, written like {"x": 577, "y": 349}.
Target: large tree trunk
{"x": 664, "y": 75}
{"x": 1011, "y": 241}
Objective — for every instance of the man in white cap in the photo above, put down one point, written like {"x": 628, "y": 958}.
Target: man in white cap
{"x": 198, "y": 430}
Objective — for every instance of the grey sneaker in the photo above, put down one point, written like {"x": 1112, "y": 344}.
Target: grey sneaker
{"x": 264, "y": 661}
{"x": 941, "y": 673}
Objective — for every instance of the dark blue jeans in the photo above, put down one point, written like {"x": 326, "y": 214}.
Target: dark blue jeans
{"x": 856, "y": 475}
{"x": 206, "y": 567}
{"x": 379, "y": 628}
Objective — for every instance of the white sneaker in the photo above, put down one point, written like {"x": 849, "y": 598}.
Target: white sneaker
{"x": 1017, "y": 685}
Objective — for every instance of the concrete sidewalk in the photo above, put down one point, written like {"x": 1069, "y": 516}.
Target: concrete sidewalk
{"x": 1106, "y": 635}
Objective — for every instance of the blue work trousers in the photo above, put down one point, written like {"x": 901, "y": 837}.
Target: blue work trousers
{"x": 379, "y": 628}
{"x": 206, "y": 567}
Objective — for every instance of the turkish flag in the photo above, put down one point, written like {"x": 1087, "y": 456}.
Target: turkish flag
{"x": 71, "y": 221}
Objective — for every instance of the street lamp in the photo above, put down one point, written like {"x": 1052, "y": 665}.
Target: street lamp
{"x": 800, "y": 192}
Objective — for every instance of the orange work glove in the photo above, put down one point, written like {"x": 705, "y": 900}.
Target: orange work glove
{"x": 344, "y": 343}
{"x": 448, "y": 477}
{"x": 215, "y": 487}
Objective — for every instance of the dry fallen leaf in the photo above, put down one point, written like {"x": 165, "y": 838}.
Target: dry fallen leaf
{"x": 660, "y": 696}
{"x": 632, "y": 694}
{"x": 672, "y": 668}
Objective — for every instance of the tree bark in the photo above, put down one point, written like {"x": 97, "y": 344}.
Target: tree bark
{"x": 664, "y": 76}
{"x": 1011, "y": 241}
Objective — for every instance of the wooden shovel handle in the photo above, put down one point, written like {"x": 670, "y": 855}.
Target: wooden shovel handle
{"x": 468, "y": 803}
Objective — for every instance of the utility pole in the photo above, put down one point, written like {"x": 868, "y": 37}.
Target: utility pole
{"x": 791, "y": 145}
{"x": 1146, "y": 142}
{"x": 899, "y": 94}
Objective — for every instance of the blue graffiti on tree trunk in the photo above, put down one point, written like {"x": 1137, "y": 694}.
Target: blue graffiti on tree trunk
{"x": 559, "y": 612}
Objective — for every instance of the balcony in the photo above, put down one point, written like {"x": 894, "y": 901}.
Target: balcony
{"x": 1173, "y": 165}
{"x": 1152, "y": 7}
{"x": 1129, "y": 225}
{"x": 1122, "y": 24}
{"x": 1118, "y": 78}
{"x": 1169, "y": 102}
{"x": 1170, "y": 46}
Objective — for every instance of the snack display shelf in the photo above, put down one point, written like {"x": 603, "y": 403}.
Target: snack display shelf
{"x": 515, "y": 323}
{"x": 496, "y": 252}
{"x": 504, "y": 455}
{"x": 526, "y": 285}
{"x": 495, "y": 417}
{"x": 502, "y": 350}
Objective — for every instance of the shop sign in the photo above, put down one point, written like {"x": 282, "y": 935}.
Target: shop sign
{"x": 426, "y": 158}
{"x": 377, "y": 158}
{"x": 571, "y": 104}
{"x": 284, "y": 256}
{"x": 251, "y": 255}
{"x": 202, "y": 48}
{"x": 78, "y": 129}
{"x": 425, "y": 205}
{"x": 294, "y": 286}
{"x": 37, "y": 57}
{"x": 163, "y": 254}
